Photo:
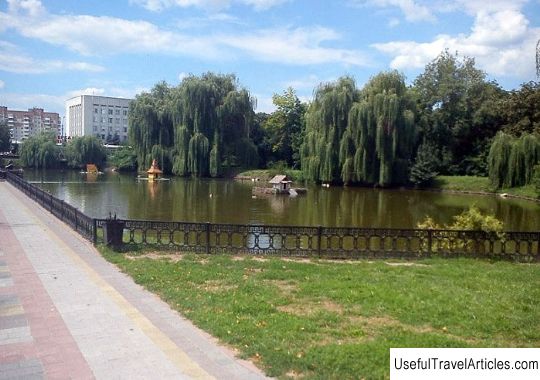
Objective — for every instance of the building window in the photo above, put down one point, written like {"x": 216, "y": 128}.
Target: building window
{"x": 125, "y": 112}
{"x": 125, "y": 130}
{"x": 110, "y": 112}
{"x": 117, "y": 112}
{"x": 95, "y": 110}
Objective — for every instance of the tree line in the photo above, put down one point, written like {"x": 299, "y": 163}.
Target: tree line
{"x": 451, "y": 120}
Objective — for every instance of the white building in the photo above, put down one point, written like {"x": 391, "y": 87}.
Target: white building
{"x": 100, "y": 116}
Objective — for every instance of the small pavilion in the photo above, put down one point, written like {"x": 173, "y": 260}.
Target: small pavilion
{"x": 154, "y": 171}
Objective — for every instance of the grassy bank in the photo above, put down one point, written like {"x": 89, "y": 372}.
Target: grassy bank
{"x": 479, "y": 184}
{"x": 324, "y": 320}
{"x": 267, "y": 174}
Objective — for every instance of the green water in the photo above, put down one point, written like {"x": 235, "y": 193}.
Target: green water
{"x": 228, "y": 201}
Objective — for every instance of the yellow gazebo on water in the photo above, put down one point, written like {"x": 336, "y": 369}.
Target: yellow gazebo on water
{"x": 154, "y": 171}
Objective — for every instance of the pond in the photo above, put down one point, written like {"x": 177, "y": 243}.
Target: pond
{"x": 229, "y": 201}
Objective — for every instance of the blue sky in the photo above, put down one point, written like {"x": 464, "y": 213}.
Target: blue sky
{"x": 52, "y": 50}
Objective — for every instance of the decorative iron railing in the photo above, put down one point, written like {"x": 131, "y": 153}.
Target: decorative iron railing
{"x": 327, "y": 242}
{"x": 80, "y": 222}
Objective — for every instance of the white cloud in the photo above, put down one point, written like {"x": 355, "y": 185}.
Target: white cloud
{"x": 15, "y": 61}
{"x": 160, "y": 5}
{"x": 32, "y": 7}
{"x": 413, "y": 11}
{"x": 203, "y": 22}
{"x": 501, "y": 42}
{"x": 309, "y": 82}
{"x": 298, "y": 46}
{"x": 91, "y": 35}
{"x": 2, "y": 84}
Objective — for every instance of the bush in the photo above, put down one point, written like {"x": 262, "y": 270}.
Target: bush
{"x": 473, "y": 219}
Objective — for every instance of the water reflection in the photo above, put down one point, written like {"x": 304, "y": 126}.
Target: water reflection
{"x": 226, "y": 201}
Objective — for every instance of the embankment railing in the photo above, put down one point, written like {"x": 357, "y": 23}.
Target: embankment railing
{"x": 306, "y": 241}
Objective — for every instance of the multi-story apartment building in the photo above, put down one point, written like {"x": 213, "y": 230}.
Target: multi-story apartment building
{"x": 23, "y": 124}
{"x": 101, "y": 116}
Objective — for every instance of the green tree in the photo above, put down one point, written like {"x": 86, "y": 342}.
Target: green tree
{"x": 360, "y": 136}
{"x": 197, "y": 128}
{"x": 327, "y": 118}
{"x": 85, "y": 150}
{"x": 124, "y": 159}
{"x": 512, "y": 160}
{"x": 5, "y": 140}
{"x": 459, "y": 112}
{"x": 151, "y": 130}
{"x": 426, "y": 164}
{"x": 285, "y": 127}
{"x": 39, "y": 151}
{"x": 521, "y": 110}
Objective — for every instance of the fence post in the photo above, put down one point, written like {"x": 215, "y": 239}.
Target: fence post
{"x": 207, "y": 238}
{"x": 50, "y": 202}
{"x": 94, "y": 231}
{"x": 319, "y": 239}
{"x": 76, "y": 221}
{"x": 429, "y": 231}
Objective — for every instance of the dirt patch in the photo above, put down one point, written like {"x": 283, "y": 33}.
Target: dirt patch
{"x": 294, "y": 375}
{"x": 157, "y": 256}
{"x": 405, "y": 264}
{"x": 311, "y": 308}
{"x": 238, "y": 258}
{"x": 216, "y": 286}
{"x": 284, "y": 286}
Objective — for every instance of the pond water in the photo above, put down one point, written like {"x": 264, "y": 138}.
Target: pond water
{"x": 229, "y": 201}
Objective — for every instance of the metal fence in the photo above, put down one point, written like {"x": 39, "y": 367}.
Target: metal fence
{"x": 327, "y": 242}
{"x": 81, "y": 223}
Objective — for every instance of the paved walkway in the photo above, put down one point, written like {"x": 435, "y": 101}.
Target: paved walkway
{"x": 66, "y": 313}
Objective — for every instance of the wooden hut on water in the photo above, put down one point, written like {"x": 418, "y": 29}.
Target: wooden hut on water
{"x": 280, "y": 184}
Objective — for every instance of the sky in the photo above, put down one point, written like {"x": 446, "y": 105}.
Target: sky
{"x": 52, "y": 50}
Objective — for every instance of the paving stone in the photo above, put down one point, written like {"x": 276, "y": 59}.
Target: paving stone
{"x": 118, "y": 329}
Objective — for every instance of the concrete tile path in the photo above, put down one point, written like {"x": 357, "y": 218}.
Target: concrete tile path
{"x": 66, "y": 313}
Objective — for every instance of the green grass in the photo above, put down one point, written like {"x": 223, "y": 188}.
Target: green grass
{"x": 463, "y": 183}
{"x": 266, "y": 174}
{"x": 479, "y": 184}
{"x": 337, "y": 320}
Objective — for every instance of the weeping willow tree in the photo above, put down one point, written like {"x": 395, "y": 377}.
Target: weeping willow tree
{"x": 151, "y": 131}
{"x": 326, "y": 122}
{"x": 196, "y": 128}
{"x": 39, "y": 151}
{"x": 85, "y": 150}
{"x": 511, "y": 160}
{"x": 360, "y": 136}
{"x": 378, "y": 142}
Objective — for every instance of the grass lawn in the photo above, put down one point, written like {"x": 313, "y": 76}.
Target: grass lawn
{"x": 337, "y": 320}
{"x": 479, "y": 184}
